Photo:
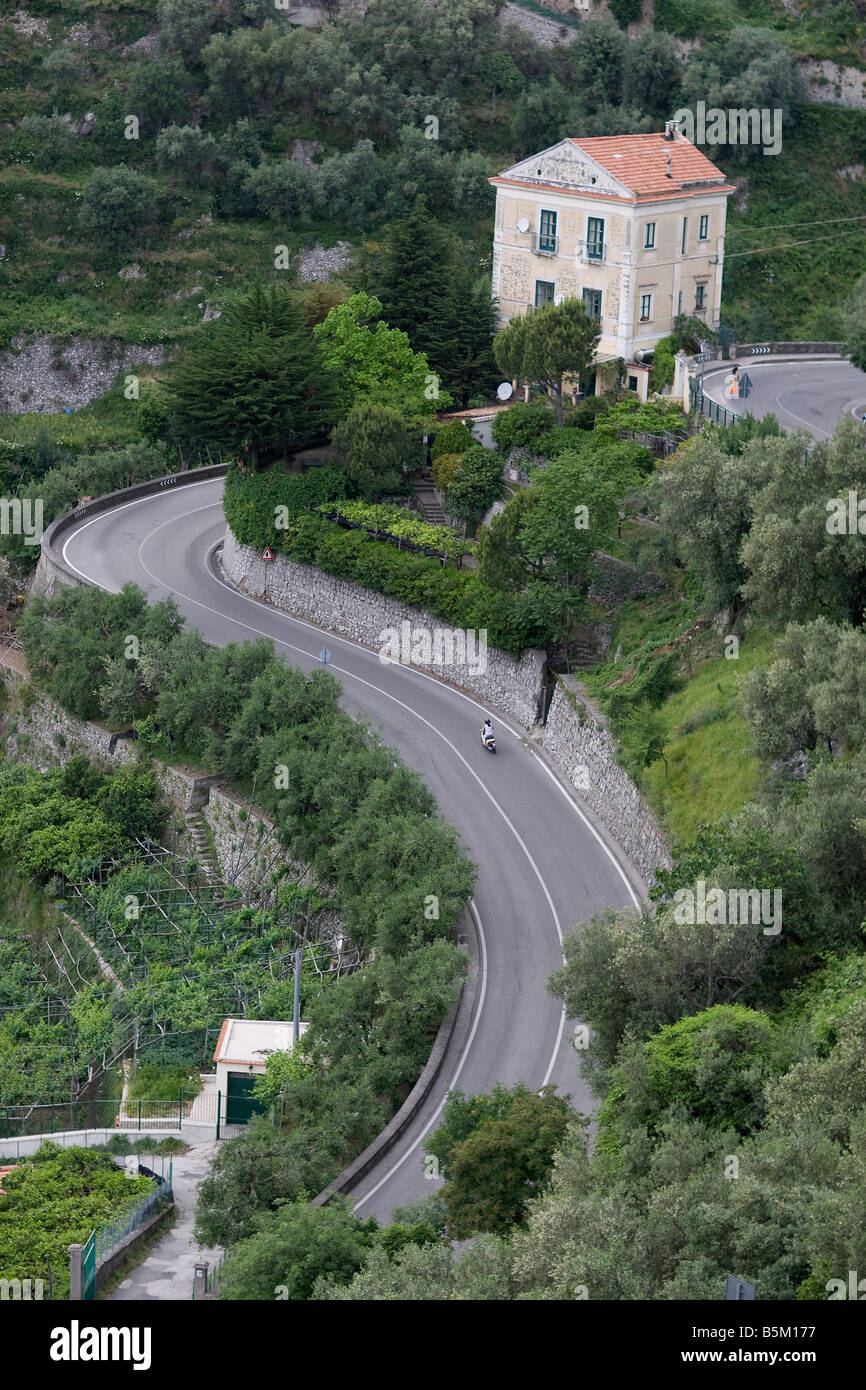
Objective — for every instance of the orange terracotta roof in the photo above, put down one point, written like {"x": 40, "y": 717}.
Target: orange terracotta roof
{"x": 223, "y": 1030}
{"x": 640, "y": 161}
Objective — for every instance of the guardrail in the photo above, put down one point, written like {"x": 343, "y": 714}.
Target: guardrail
{"x": 51, "y": 551}
{"x": 737, "y": 351}
{"x": 788, "y": 349}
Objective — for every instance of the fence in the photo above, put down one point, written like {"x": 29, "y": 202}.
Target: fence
{"x": 226, "y": 1117}
{"x": 788, "y": 349}
{"x": 659, "y": 444}
{"x": 102, "y": 1243}
{"x": 19, "y": 1121}
{"x": 703, "y": 405}
{"x": 109, "y": 1236}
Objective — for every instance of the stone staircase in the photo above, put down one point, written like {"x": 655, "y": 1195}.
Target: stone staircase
{"x": 202, "y": 845}
{"x": 425, "y": 495}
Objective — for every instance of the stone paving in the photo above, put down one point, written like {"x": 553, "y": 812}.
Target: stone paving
{"x": 167, "y": 1272}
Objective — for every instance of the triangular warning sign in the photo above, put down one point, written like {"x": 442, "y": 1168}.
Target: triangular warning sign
{"x": 267, "y": 553}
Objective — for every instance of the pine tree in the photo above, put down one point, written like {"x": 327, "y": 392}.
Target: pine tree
{"x": 427, "y": 291}
{"x": 254, "y": 380}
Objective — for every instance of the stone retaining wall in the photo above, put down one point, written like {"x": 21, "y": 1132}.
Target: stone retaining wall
{"x": 39, "y": 731}
{"x": 363, "y": 615}
{"x": 573, "y": 737}
{"x": 248, "y": 852}
{"x": 577, "y": 741}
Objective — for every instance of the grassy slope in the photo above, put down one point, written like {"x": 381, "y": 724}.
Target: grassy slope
{"x": 711, "y": 770}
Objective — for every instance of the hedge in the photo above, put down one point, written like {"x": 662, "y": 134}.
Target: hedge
{"x": 455, "y": 596}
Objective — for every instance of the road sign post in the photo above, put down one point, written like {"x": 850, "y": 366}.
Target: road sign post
{"x": 267, "y": 556}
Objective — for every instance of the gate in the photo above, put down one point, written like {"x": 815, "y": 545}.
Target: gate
{"x": 240, "y": 1102}
{"x": 88, "y": 1267}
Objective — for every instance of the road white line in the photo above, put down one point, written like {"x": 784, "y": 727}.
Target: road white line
{"x": 816, "y": 429}
{"x": 388, "y": 695}
{"x": 458, "y": 1069}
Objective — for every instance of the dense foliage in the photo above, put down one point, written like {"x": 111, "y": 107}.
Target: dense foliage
{"x": 254, "y": 381}
{"x": 55, "y": 1200}
{"x": 456, "y": 596}
{"x": 342, "y": 804}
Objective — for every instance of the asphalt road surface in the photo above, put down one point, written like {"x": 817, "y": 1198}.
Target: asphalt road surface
{"x": 801, "y": 394}
{"x": 542, "y": 864}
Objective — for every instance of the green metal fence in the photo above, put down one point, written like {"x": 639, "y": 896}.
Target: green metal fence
{"x": 88, "y": 1267}
{"x": 228, "y": 1116}
{"x": 710, "y": 408}
{"x": 107, "y": 1238}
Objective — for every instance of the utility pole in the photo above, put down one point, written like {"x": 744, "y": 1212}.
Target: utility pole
{"x": 299, "y": 961}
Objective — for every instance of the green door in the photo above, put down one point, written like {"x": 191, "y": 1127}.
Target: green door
{"x": 240, "y": 1104}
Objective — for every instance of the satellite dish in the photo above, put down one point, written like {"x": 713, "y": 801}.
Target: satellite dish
{"x": 523, "y": 224}
{"x": 504, "y": 391}
{"x": 559, "y": 299}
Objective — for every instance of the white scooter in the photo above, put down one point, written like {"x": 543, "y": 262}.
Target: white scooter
{"x": 487, "y": 738}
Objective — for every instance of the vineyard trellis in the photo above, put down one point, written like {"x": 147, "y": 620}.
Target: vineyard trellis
{"x": 181, "y": 950}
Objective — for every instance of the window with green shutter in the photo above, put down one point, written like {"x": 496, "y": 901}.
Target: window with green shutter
{"x": 595, "y": 238}
{"x": 592, "y": 300}
{"x": 547, "y": 232}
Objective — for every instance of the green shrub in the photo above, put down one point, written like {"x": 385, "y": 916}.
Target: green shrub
{"x": 663, "y": 367}
{"x": 453, "y": 438}
{"x": 57, "y": 1200}
{"x": 154, "y": 1082}
{"x": 523, "y": 426}
{"x": 400, "y": 523}
{"x": 654, "y": 681}
{"x": 444, "y": 468}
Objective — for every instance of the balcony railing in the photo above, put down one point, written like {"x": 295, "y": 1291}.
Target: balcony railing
{"x": 544, "y": 245}
{"x": 592, "y": 251}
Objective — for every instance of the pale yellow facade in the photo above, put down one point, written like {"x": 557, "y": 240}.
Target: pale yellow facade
{"x": 567, "y": 227}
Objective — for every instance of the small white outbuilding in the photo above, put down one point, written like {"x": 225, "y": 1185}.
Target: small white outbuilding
{"x": 242, "y": 1053}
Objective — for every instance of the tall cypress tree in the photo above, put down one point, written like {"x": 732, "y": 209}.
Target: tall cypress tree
{"x": 254, "y": 380}
{"x": 427, "y": 291}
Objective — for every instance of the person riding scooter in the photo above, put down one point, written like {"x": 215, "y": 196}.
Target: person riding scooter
{"x": 487, "y": 736}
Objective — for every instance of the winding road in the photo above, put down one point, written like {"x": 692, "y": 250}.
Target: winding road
{"x": 810, "y": 393}
{"x": 542, "y": 863}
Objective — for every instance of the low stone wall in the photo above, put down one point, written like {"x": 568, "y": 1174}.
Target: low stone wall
{"x": 577, "y": 741}
{"x": 573, "y": 736}
{"x": 363, "y": 615}
{"x": 616, "y": 580}
{"x": 40, "y": 732}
